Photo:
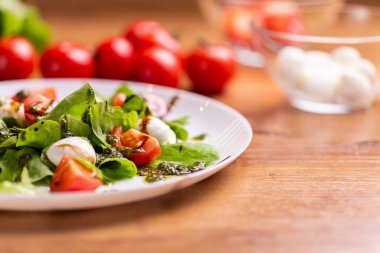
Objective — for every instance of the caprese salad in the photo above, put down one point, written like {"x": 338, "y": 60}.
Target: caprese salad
{"x": 84, "y": 141}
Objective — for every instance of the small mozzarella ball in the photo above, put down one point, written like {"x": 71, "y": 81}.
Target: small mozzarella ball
{"x": 317, "y": 58}
{"x": 72, "y": 146}
{"x": 289, "y": 61}
{"x": 366, "y": 67}
{"x": 158, "y": 129}
{"x": 156, "y": 104}
{"x": 321, "y": 81}
{"x": 345, "y": 55}
{"x": 354, "y": 88}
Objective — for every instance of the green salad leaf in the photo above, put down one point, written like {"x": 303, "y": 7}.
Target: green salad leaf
{"x": 13, "y": 163}
{"x": 187, "y": 154}
{"x": 133, "y": 102}
{"x": 40, "y": 135}
{"x": 17, "y": 188}
{"x": 178, "y": 127}
{"x": 8, "y": 143}
{"x": 122, "y": 89}
{"x": 73, "y": 126}
{"x": 114, "y": 169}
{"x": 104, "y": 117}
{"x": 76, "y": 104}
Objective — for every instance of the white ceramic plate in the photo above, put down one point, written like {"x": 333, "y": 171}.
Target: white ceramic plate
{"x": 226, "y": 129}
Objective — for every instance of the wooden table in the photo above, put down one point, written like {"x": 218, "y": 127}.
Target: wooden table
{"x": 307, "y": 183}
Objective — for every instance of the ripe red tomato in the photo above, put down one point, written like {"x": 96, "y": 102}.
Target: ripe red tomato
{"x": 144, "y": 148}
{"x": 237, "y": 22}
{"x": 115, "y": 59}
{"x": 47, "y": 91}
{"x": 119, "y": 99}
{"x": 284, "y": 23}
{"x": 159, "y": 66}
{"x": 65, "y": 59}
{"x": 210, "y": 67}
{"x": 144, "y": 34}
{"x": 36, "y": 106}
{"x": 17, "y": 58}
{"x": 72, "y": 175}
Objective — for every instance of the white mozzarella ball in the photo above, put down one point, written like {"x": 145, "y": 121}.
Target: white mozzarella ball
{"x": 345, "y": 55}
{"x": 317, "y": 58}
{"x": 158, "y": 129}
{"x": 72, "y": 146}
{"x": 157, "y": 105}
{"x": 367, "y": 68}
{"x": 321, "y": 81}
{"x": 289, "y": 61}
{"x": 354, "y": 88}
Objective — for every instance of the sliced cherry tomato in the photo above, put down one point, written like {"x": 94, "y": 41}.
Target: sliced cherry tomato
{"x": 47, "y": 91}
{"x": 72, "y": 175}
{"x": 65, "y": 59}
{"x": 116, "y": 133}
{"x": 119, "y": 99}
{"x": 210, "y": 67}
{"x": 17, "y": 58}
{"x": 36, "y": 106}
{"x": 115, "y": 59}
{"x": 143, "y": 148}
{"x": 159, "y": 66}
{"x": 144, "y": 34}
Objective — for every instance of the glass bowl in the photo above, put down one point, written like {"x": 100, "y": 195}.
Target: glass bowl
{"x": 334, "y": 66}
{"x": 234, "y": 17}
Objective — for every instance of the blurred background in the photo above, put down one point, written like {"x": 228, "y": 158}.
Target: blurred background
{"x": 111, "y": 17}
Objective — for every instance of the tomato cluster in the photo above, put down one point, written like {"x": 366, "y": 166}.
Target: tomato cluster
{"x": 146, "y": 52}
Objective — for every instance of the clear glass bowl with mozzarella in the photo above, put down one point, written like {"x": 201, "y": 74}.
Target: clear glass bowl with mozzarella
{"x": 233, "y": 19}
{"x": 333, "y": 67}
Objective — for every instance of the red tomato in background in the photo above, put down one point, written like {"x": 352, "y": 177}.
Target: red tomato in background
{"x": 284, "y": 23}
{"x": 36, "y": 106}
{"x": 46, "y": 91}
{"x": 115, "y": 59}
{"x": 149, "y": 148}
{"x": 65, "y": 59}
{"x": 237, "y": 23}
{"x": 71, "y": 175}
{"x": 145, "y": 34}
{"x": 210, "y": 67}
{"x": 159, "y": 66}
{"x": 17, "y": 58}
{"x": 275, "y": 15}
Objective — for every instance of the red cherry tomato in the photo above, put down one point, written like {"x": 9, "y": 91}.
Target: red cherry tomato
{"x": 119, "y": 99}
{"x": 144, "y": 148}
{"x": 115, "y": 59}
{"x": 67, "y": 60}
{"x": 159, "y": 66}
{"x": 284, "y": 23}
{"x": 36, "y": 106}
{"x": 144, "y": 34}
{"x": 72, "y": 175}
{"x": 47, "y": 91}
{"x": 17, "y": 58}
{"x": 210, "y": 67}
{"x": 237, "y": 22}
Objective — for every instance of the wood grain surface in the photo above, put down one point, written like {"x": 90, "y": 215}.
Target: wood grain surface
{"x": 307, "y": 183}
